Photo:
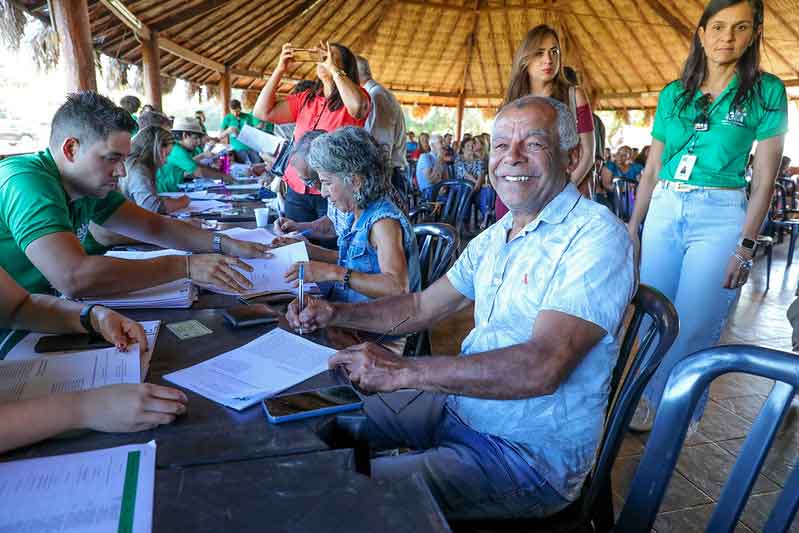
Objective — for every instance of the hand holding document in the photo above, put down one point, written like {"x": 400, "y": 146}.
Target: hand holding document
{"x": 30, "y": 378}
{"x": 91, "y": 492}
{"x": 264, "y": 367}
{"x": 267, "y": 274}
{"x": 260, "y": 141}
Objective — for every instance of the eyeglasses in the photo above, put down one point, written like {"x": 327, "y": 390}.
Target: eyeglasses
{"x": 702, "y": 121}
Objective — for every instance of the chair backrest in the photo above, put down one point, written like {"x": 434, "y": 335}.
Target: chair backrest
{"x": 625, "y": 190}
{"x": 630, "y": 377}
{"x": 688, "y": 380}
{"x": 438, "y": 244}
{"x": 454, "y": 210}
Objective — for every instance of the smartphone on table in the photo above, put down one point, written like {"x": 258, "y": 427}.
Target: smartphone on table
{"x": 65, "y": 343}
{"x": 250, "y": 315}
{"x": 299, "y": 405}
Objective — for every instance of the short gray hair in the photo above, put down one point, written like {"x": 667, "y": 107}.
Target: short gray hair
{"x": 347, "y": 152}
{"x": 567, "y": 123}
{"x": 364, "y": 71}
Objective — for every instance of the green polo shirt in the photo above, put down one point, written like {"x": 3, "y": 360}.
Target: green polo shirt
{"x": 244, "y": 118}
{"x": 171, "y": 174}
{"x": 135, "y": 129}
{"x": 723, "y": 150}
{"x": 33, "y": 203}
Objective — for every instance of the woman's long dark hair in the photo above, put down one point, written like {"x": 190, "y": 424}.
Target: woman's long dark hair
{"x": 350, "y": 68}
{"x": 695, "y": 68}
{"x": 519, "y": 77}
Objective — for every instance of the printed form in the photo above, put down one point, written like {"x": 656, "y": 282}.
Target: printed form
{"x": 91, "y": 492}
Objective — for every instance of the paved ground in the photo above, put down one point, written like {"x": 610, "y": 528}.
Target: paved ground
{"x": 707, "y": 457}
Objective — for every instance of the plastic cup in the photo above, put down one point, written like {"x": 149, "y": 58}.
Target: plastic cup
{"x": 262, "y": 217}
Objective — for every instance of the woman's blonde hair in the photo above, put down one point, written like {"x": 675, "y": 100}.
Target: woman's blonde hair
{"x": 520, "y": 78}
{"x": 146, "y": 147}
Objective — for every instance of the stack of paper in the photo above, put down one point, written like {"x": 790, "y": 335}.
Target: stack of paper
{"x": 178, "y": 294}
{"x": 30, "y": 378}
{"x": 244, "y": 186}
{"x": 267, "y": 274}
{"x": 264, "y": 367}
{"x": 194, "y": 195}
{"x": 91, "y": 492}
{"x": 260, "y": 141}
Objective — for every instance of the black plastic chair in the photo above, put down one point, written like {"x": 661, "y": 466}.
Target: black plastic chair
{"x": 438, "y": 246}
{"x": 624, "y": 190}
{"x": 456, "y": 204}
{"x": 593, "y": 510}
{"x": 688, "y": 380}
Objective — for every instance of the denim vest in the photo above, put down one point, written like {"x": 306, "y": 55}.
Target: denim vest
{"x": 356, "y": 253}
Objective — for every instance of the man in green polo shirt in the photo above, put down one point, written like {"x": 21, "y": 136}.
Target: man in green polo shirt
{"x": 182, "y": 161}
{"x": 48, "y": 199}
{"x": 232, "y": 125}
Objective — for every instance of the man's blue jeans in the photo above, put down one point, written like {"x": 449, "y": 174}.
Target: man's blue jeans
{"x": 472, "y": 475}
{"x": 687, "y": 243}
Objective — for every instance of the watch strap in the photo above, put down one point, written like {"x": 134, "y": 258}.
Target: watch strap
{"x": 346, "y": 279}
{"x": 217, "y": 243}
{"x": 86, "y": 320}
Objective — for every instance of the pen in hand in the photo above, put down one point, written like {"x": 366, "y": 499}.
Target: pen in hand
{"x": 301, "y": 291}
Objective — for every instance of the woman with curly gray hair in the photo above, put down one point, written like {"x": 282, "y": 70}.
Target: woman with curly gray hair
{"x": 377, "y": 253}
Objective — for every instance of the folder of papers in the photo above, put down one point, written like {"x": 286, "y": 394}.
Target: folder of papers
{"x": 262, "y": 368}
{"x": 260, "y": 141}
{"x": 178, "y": 294}
{"x": 91, "y": 492}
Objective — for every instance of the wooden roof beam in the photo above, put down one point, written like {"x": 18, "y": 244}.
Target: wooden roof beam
{"x": 683, "y": 30}
{"x": 254, "y": 41}
{"x": 187, "y": 13}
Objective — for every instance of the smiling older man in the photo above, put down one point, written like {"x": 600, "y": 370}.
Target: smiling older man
{"x": 511, "y": 427}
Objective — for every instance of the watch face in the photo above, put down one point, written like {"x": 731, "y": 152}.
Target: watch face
{"x": 748, "y": 243}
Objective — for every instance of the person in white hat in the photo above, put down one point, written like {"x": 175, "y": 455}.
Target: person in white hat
{"x": 180, "y": 164}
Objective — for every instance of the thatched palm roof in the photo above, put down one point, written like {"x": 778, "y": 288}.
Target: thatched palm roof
{"x": 432, "y": 51}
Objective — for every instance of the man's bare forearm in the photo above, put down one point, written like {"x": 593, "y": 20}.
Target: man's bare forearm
{"x": 106, "y": 276}
{"x": 381, "y": 315}
{"x": 515, "y": 372}
{"x": 47, "y": 314}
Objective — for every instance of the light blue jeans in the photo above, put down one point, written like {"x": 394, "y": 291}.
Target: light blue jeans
{"x": 472, "y": 475}
{"x": 687, "y": 242}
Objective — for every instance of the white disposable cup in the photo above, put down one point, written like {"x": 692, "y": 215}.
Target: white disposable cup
{"x": 261, "y": 216}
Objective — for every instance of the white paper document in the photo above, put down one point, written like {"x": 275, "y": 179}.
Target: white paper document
{"x": 202, "y": 206}
{"x": 31, "y": 378}
{"x": 24, "y": 349}
{"x": 267, "y": 275}
{"x": 260, "y": 141}
{"x": 194, "y": 195}
{"x": 244, "y": 187}
{"x": 264, "y": 367}
{"x": 100, "y": 491}
{"x": 259, "y": 235}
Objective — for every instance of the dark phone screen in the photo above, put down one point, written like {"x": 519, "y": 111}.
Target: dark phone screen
{"x": 303, "y": 402}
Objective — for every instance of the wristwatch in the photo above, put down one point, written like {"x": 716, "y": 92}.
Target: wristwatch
{"x": 748, "y": 244}
{"x": 346, "y": 279}
{"x": 217, "y": 243}
{"x": 86, "y": 320}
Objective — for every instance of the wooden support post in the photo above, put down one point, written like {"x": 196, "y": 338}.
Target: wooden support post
{"x": 224, "y": 88}
{"x": 459, "y": 119}
{"x": 75, "y": 43}
{"x": 151, "y": 64}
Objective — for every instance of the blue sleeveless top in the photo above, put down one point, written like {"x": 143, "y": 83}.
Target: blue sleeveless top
{"x": 355, "y": 251}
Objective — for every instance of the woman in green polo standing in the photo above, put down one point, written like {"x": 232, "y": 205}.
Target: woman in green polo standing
{"x": 699, "y": 236}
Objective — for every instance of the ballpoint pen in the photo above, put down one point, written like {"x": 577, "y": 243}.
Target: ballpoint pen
{"x": 301, "y": 290}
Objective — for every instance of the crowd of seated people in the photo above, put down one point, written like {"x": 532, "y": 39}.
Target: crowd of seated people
{"x": 509, "y": 426}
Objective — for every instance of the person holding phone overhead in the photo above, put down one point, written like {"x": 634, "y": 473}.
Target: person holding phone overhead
{"x": 335, "y": 100}
{"x": 538, "y": 70}
{"x": 699, "y": 237}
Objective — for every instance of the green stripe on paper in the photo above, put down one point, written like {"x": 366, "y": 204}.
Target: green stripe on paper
{"x": 129, "y": 493}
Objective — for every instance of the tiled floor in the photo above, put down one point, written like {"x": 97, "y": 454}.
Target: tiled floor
{"x": 735, "y": 399}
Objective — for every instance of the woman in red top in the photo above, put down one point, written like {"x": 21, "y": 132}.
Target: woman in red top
{"x": 538, "y": 70}
{"x": 335, "y": 100}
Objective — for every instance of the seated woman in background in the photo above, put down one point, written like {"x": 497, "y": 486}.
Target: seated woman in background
{"x": 148, "y": 153}
{"x": 622, "y": 166}
{"x": 377, "y": 253}
{"x": 114, "y": 408}
{"x": 431, "y": 167}
{"x": 471, "y": 166}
